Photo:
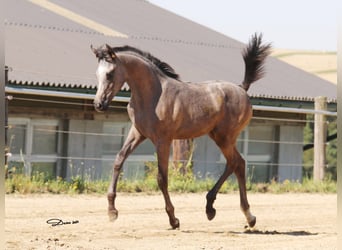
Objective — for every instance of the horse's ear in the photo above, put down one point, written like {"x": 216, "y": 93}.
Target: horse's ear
{"x": 93, "y": 49}
{"x": 110, "y": 51}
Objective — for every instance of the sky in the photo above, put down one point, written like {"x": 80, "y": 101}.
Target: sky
{"x": 288, "y": 24}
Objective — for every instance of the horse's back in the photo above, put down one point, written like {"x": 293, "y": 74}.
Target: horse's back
{"x": 236, "y": 98}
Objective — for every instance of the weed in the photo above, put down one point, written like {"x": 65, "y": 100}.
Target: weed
{"x": 178, "y": 182}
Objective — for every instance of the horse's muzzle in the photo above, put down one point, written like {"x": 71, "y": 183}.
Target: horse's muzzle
{"x": 100, "y": 107}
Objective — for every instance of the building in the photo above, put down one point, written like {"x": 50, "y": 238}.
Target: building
{"x": 51, "y": 76}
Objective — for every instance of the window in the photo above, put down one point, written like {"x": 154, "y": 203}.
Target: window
{"x": 113, "y": 139}
{"x": 45, "y": 139}
{"x": 33, "y": 145}
{"x": 260, "y": 152}
{"x": 114, "y": 135}
{"x": 17, "y": 138}
{"x": 261, "y": 139}
{"x": 256, "y": 146}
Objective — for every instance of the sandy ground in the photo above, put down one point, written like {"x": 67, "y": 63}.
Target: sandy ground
{"x": 285, "y": 221}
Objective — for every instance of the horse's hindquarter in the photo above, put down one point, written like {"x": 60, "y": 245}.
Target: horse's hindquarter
{"x": 238, "y": 109}
{"x": 196, "y": 109}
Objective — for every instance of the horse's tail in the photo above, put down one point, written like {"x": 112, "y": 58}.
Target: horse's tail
{"x": 254, "y": 56}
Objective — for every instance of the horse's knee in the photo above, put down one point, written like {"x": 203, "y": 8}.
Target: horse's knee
{"x": 159, "y": 180}
{"x": 162, "y": 181}
{"x": 240, "y": 171}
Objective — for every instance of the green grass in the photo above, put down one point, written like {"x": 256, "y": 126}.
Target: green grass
{"x": 19, "y": 183}
{"x": 306, "y": 186}
{"x": 178, "y": 183}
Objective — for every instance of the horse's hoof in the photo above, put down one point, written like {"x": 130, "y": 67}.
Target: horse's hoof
{"x": 252, "y": 222}
{"x": 211, "y": 213}
{"x": 175, "y": 224}
{"x": 113, "y": 215}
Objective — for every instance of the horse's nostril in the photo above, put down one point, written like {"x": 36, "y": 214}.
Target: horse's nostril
{"x": 98, "y": 106}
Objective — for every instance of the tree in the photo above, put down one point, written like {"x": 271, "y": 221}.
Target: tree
{"x": 331, "y": 149}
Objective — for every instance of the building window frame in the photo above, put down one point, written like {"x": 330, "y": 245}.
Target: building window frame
{"x": 27, "y": 157}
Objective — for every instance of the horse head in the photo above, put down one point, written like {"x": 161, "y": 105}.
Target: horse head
{"x": 110, "y": 76}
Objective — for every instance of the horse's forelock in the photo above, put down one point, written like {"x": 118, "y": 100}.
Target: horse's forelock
{"x": 104, "y": 55}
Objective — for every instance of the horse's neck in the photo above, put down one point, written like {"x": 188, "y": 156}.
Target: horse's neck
{"x": 144, "y": 82}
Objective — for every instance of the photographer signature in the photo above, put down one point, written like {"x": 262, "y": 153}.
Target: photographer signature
{"x": 58, "y": 222}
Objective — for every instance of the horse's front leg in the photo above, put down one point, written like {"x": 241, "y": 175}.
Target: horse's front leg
{"x": 163, "y": 151}
{"x": 133, "y": 139}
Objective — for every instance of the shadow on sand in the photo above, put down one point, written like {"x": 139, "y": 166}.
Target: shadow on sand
{"x": 256, "y": 231}
{"x": 274, "y": 232}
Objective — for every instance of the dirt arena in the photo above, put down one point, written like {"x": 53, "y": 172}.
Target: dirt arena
{"x": 285, "y": 221}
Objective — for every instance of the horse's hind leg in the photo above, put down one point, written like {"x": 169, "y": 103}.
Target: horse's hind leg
{"x": 211, "y": 196}
{"x": 227, "y": 149}
{"x": 240, "y": 173}
{"x": 236, "y": 164}
{"x": 133, "y": 139}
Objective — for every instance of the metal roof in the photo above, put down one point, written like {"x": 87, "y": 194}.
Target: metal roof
{"x": 50, "y": 48}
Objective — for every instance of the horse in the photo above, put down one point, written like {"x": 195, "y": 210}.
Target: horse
{"x": 163, "y": 108}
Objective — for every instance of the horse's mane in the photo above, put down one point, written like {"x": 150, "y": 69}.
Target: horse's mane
{"x": 163, "y": 66}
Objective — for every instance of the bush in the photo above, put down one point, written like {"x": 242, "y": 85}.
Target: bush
{"x": 38, "y": 183}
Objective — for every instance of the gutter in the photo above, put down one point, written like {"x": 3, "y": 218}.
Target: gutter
{"x": 25, "y": 91}
{"x": 11, "y": 90}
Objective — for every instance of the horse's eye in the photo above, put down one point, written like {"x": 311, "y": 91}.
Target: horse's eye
{"x": 109, "y": 75}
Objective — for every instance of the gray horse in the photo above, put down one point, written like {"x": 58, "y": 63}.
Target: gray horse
{"x": 163, "y": 108}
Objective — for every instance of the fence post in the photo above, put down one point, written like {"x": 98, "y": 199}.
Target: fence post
{"x": 182, "y": 150}
{"x": 320, "y": 133}
{"x": 7, "y": 98}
